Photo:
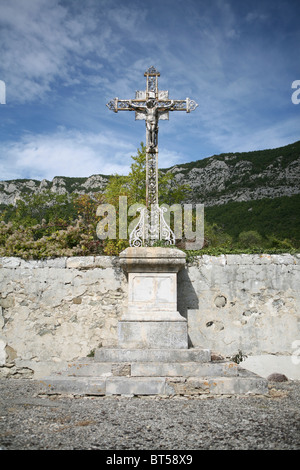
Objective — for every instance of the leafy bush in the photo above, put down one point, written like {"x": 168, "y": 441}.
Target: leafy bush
{"x": 249, "y": 238}
{"x": 41, "y": 241}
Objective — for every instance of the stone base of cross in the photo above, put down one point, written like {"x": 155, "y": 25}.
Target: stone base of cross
{"x": 151, "y": 105}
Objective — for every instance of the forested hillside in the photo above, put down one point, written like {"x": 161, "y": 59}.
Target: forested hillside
{"x": 251, "y": 200}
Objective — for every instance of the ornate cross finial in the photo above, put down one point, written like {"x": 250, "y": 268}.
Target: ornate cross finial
{"x": 152, "y": 82}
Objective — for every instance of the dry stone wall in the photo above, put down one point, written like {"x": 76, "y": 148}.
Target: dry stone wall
{"x": 57, "y": 310}
{"x": 243, "y": 302}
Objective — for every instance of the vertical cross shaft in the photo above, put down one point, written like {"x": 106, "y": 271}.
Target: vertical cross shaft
{"x": 151, "y": 136}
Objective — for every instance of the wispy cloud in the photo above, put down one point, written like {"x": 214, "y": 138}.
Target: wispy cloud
{"x": 65, "y": 153}
{"x": 67, "y": 58}
{"x": 44, "y": 40}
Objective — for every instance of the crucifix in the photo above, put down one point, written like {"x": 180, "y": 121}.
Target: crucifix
{"x": 152, "y": 105}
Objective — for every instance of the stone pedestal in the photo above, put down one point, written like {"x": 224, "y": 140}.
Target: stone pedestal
{"x": 152, "y": 320}
{"x": 152, "y": 357}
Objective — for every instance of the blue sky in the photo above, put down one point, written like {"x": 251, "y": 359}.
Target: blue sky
{"x": 63, "y": 60}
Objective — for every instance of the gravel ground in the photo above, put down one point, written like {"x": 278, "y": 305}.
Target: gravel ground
{"x": 29, "y": 421}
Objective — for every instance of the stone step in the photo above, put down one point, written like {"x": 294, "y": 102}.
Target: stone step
{"x": 136, "y": 386}
{"x": 183, "y": 369}
{"x": 152, "y": 355}
{"x": 239, "y": 385}
{"x": 153, "y": 372}
{"x": 245, "y": 384}
{"x": 88, "y": 369}
{"x": 151, "y": 369}
{"x": 73, "y": 385}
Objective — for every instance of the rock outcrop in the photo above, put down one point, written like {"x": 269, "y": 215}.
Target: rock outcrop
{"x": 213, "y": 181}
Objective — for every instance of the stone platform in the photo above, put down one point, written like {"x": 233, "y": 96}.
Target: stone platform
{"x": 166, "y": 372}
{"x": 153, "y": 357}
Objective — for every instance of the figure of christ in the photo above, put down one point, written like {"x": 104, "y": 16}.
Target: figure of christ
{"x": 151, "y": 112}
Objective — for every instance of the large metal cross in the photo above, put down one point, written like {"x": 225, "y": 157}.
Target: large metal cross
{"x": 152, "y": 105}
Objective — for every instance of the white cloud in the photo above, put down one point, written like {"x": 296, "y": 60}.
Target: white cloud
{"x": 65, "y": 154}
{"x": 249, "y": 139}
{"x": 254, "y": 16}
{"x": 168, "y": 158}
{"x": 101, "y": 48}
{"x": 42, "y": 40}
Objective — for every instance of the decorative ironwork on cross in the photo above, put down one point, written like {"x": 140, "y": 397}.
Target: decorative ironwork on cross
{"x": 152, "y": 105}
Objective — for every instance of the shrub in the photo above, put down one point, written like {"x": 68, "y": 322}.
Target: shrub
{"x": 250, "y": 238}
{"x": 41, "y": 241}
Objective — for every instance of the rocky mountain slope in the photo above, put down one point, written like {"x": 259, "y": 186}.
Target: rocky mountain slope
{"x": 242, "y": 176}
{"x": 11, "y": 191}
{"x": 215, "y": 180}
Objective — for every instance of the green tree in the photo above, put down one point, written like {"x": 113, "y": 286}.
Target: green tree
{"x": 36, "y": 208}
{"x": 137, "y": 177}
{"x": 134, "y": 187}
{"x": 215, "y": 236}
{"x": 249, "y": 239}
